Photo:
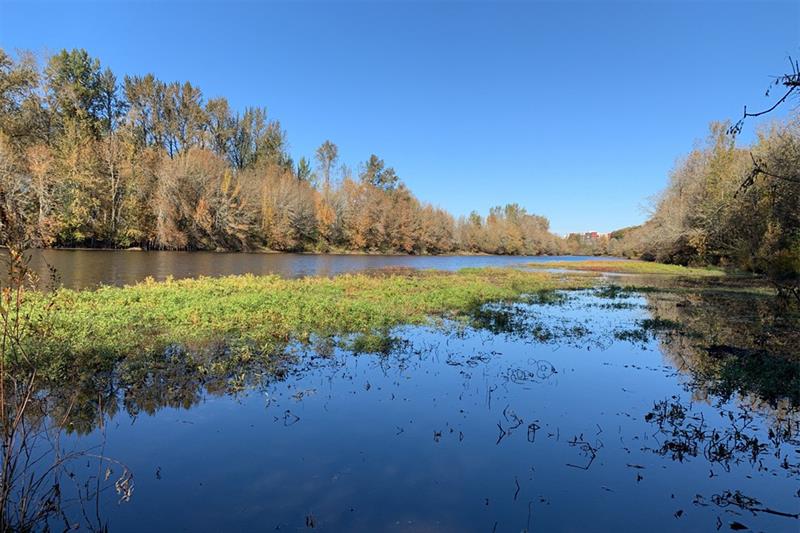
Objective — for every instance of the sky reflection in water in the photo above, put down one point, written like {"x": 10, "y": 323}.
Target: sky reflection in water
{"x": 538, "y": 420}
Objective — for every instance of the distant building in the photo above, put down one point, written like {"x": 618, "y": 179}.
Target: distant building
{"x": 595, "y": 235}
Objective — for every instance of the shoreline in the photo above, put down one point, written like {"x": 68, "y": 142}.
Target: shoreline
{"x": 305, "y": 252}
{"x": 331, "y": 253}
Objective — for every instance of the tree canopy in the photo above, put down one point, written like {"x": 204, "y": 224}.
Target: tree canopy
{"x": 89, "y": 160}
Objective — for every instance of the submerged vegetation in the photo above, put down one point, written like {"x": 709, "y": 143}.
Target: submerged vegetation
{"x": 658, "y": 390}
{"x": 629, "y": 267}
{"x": 37, "y": 479}
{"x": 87, "y": 161}
{"x": 261, "y": 313}
{"x": 118, "y": 352}
{"x": 223, "y": 326}
{"x": 223, "y": 333}
{"x": 256, "y": 314}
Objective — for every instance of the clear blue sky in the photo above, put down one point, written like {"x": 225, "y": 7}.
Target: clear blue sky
{"x": 576, "y": 110}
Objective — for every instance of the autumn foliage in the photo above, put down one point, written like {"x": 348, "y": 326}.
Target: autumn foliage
{"x": 87, "y": 160}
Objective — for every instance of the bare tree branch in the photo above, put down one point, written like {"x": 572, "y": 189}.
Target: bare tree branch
{"x": 791, "y": 81}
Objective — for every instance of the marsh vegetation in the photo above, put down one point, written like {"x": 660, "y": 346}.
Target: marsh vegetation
{"x": 362, "y": 394}
{"x": 478, "y": 399}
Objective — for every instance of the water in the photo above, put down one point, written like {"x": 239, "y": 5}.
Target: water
{"x": 535, "y": 417}
{"x": 89, "y": 268}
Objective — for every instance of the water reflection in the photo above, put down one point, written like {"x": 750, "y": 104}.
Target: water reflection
{"x": 538, "y": 415}
{"x": 731, "y": 343}
{"x": 89, "y": 268}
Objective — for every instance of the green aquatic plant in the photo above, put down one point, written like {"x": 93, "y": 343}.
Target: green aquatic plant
{"x": 629, "y": 267}
{"x": 548, "y": 297}
{"x": 378, "y": 342}
{"x": 647, "y": 329}
{"x": 96, "y": 328}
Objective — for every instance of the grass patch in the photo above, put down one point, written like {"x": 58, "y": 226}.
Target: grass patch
{"x": 613, "y": 292}
{"x": 547, "y": 297}
{"x": 630, "y": 267}
{"x": 379, "y": 343}
{"x": 647, "y": 329}
{"x": 94, "y": 328}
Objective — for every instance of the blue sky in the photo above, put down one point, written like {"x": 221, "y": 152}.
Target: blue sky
{"x": 575, "y": 110}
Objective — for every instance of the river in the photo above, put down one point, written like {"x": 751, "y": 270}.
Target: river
{"x": 600, "y": 410}
{"x": 79, "y": 269}
{"x": 636, "y": 405}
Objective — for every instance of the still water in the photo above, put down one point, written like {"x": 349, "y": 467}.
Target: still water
{"x": 560, "y": 415}
{"x": 89, "y": 268}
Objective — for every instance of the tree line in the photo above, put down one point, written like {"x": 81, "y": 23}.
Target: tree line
{"x": 728, "y": 205}
{"x": 89, "y": 160}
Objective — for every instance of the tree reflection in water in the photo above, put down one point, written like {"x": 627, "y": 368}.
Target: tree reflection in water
{"x": 731, "y": 348}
